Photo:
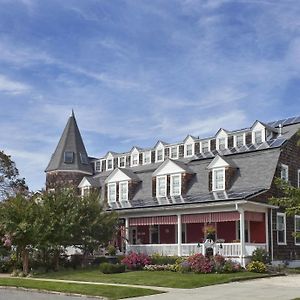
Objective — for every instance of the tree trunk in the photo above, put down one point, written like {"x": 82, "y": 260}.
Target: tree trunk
{"x": 25, "y": 260}
{"x": 56, "y": 260}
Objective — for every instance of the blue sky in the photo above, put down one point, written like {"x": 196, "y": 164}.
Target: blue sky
{"x": 139, "y": 71}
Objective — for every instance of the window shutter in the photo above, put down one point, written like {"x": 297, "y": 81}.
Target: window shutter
{"x": 153, "y": 186}
{"x": 167, "y": 152}
{"x": 128, "y": 161}
{"x": 103, "y": 166}
{"x": 168, "y": 185}
{"x": 197, "y": 148}
{"x": 230, "y": 142}
{"x": 248, "y": 138}
{"x": 115, "y": 163}
{"x": 140, "y": 158}
{"x": 105, "y": 193}
{"x": 212, "y": 145}
{"x": 210, "y": 181}
{"x": 152, "y": 156}
{"x": 117, "y": 191}
{"x": 181, "y": 150}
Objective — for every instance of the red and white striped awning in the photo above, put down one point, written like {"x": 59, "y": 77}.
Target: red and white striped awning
{"x": 211, "y": 217}
{"x": 161, "y": 220}
{"x": 254, "y": 216}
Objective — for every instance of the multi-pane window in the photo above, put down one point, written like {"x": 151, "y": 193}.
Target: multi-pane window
{"x": 218, "y": 179}
{"x": 284, "y": 173}
{"x": 175, "y": 185}
{"x": 159, "y": 154}
{"x": 83, "y": 158}
{"x": 68, "y": 157}
{"x": 281, "y": 228}
{"x": 174, "y": 152}
{"x": 239, "y": 140}
{"x": 122, "y": 161}
{"x": 258, "y": 137}
{"x": 189, "y": 150}
{"x": 297, "y": 230}
{"x": 161, "y": 186}
{"x": 98, "y": 166}
{"x": 222, "y": 143}
{"x": 111, "y": 192}
{"x": 205, "y": 146}
{"x": 135, "y": 159}
{"x": 85, "y": 191}
{"x": 147, "y": 157}
{"x": 110, "y": 164}
{"x": 123, "y": 191}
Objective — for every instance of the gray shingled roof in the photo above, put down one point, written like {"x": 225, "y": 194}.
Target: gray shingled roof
{"x": 70, "y": 141}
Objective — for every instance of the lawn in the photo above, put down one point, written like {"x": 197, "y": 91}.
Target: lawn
{"x": 159, "y": 278}
{"x": 85, "y": 289}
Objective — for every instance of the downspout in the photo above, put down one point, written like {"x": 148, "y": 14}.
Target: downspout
{"x": 271, "y": 232}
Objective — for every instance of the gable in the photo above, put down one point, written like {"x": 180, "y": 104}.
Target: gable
{"x": 189, "y": 140}
{"x": 221, "y": 134}
{"x": 218, "y": 162}
{"x": 117, "y": 175}
{"x": 84, "y": 183}
{"x": 168, "y": 167}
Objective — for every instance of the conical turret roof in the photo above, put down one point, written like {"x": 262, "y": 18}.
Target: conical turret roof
{"x": 70, "y": 153}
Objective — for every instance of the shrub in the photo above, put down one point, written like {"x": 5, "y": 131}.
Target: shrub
{"x": 135, "y": 261}
{"x": 6, "y": 266}
{"x": 257, "y": 267}
{"x": 218, "y": 262}
{"x": 158, "y": 259}
{"x": 260, "y": 254}
{"x": 111, "y": 250}
{"x": 231, "y": 267}
{"x": 158, "y": 267}
{"x": 200, "y": 264}
{"x": 108, "y": 268}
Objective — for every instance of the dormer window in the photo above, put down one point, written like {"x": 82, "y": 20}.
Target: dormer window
{"x": 83, "y": 158}
{"x": 161, "y": 186}
{"x": 205, "y": 146}
{"x": 175, "y": 185}
{"x": 109, "y": 164}
{"x": 112, "y": 192}
{"x": 284, "y": 173}
{"x": 98, "y": 166}
{"x": 218, "y": 179}
{"x": 258, "y": 137}
{"x": 239, "y": 140}
{"x": 174, "y": 152}
{"x": 222, "y": 143}
{"x": 122, "y": 161}
{"x": 189, "y": 150}
{"x": 68, "y": 157}
{"x": 134, "y": 159}
{"x": 159, "y": 155}
{"x": 123, "y": 191}
{"x": 147, "y": 157}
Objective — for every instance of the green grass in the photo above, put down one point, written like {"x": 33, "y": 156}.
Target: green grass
{"x": 159, "y": 278}
{"x": 116, "y": 292}
{"x": 293, "y": 270}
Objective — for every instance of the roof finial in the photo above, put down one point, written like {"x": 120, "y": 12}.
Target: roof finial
{"x": 73, "y": 115}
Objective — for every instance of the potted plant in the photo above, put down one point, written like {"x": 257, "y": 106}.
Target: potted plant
{"x": 209, "y": 232}
{"x": 111, "y": 251}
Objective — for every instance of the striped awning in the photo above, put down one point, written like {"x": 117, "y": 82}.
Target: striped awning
{"x": 254, "y": 216}
{"x": 162, "y": 220}
{"x": 211, "y": 217}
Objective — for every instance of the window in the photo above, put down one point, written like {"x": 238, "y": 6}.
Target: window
{"x": 284, "y": 173}
{"x": 174, "y": 152}
{"x": 258, "y": 137}
{"x": 218, "y": 179}
{"x": 159, "y": 155}
{"x": 69, "y": 157}
{"x": 98, "y": 166}
{"x": 189, "y": 150}
{"x": 175, "y": 185}
{"x": 123, "y": 191}
{"x": 239, "y": 140}
{"x": 205, "y": 146}
{"x": 161, "y": 186}
{"x": 281, "y": 228}
{"x": 83, "y": 158}
{"x": 134, "y": 159}
{"x": 147, "y": 157}
{"x": 122, "y": 161}
{"x": 109, "y": 164}
{"x": 85, "y": 191}
{"x": 111, "y": 192}
{"x": 297, "y": 230}
{"x": 222, "y": 143}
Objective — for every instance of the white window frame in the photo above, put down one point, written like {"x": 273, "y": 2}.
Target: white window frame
{"x": 177, "y": 152}
{"x": 254, "y": 137}
{"x": 286, "y": 168}
{"x": 157, "y": 187}
{"x": 108, "y": 192}
{"x": 156, "y": 154}
{"x": 119, "y": 161}
{"x": 284, "y": 225}
{"x": 121, "y": 183}
{"x": 171, "y": 184}
{"x": 297, "y": 229}
{"x": 100, "y": 165}
{"x": 138, "y": 159}
{"x": 225, "y": 143}
{"x": 144, "y": 156}
{"x": 235, "y": 144}
{"x": 186, "y": 149}
{"x": 112, "y": 164}
{"x": 208, "y": 144}
{"x": 214, "y": 171}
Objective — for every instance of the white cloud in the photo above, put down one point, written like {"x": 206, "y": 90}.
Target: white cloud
{"x": 9, "y": 86}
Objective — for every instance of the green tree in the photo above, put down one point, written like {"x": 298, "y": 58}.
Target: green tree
{"x": 17, "y": 216}
{"x": 10, "y": 183}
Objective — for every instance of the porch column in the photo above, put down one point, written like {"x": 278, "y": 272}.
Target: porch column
{"x": 242, "y": 235}
{"x": 179, "y": 234}
{"x": 267, "y": 229}
{"x": 126, "y": 234}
